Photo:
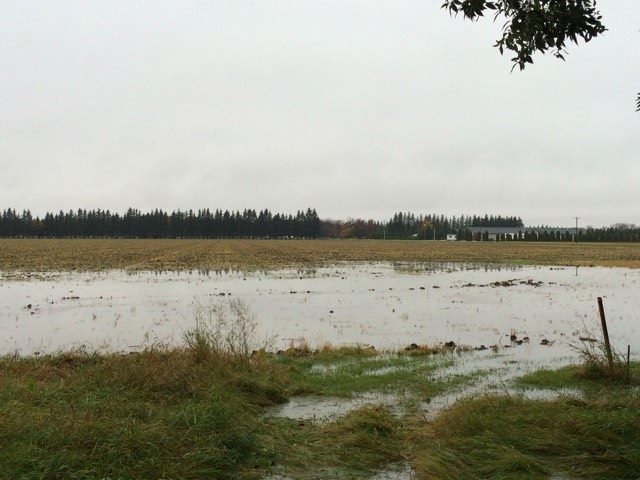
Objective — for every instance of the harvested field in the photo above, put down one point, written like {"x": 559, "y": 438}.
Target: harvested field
{"x": 136, "y": 255}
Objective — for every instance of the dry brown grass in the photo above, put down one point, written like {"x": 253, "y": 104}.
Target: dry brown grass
{"x": 48, "y": 255}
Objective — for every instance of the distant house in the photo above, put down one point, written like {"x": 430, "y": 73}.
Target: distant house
{"x": 496, "y": 233}
{"x": 451, "y": 236}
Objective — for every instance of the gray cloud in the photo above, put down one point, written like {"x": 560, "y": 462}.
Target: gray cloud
{"x": 356, "y": 108}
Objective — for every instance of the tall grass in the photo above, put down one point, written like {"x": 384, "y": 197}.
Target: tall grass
{"x": 223, "y": 328}
{"x": 198, "y": 412}
{"x": 353, "y": 446}
{"x": 157, "y": 414}
{"x": 507, "y": 437}
{"x": 597, "y": 365}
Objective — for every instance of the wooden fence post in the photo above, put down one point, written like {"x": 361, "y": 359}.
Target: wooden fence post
{"x": 605, "y": 333}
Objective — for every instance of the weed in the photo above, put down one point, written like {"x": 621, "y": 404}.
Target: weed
{"x": 598, "y": 365}
{"x": 300, "y": 348}
{"x": 223, "y": 328}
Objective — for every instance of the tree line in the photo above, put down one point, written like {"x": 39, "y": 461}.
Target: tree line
{"x": 250, "y": 223}
{"x": 409, "y": 225}
{"x": 157, "y": 223}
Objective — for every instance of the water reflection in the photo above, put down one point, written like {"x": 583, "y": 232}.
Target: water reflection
{"x": 449, "y": 267}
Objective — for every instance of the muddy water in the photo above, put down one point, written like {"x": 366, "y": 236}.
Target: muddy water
{"x": 382, "y": 304}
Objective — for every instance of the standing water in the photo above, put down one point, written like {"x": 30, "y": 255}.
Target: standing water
{"x": 385, "y": 305}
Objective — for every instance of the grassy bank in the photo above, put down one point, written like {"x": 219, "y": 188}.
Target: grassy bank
{"x": 592, "y": 431}
{"x": 510, "y": 437}
{"x": 44, "y": 255}
{"x": 196, "y": 413}
{"x": 190, "y": 413}
{"x": 152, "y": 415}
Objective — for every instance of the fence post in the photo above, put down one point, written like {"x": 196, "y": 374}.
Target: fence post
{"x": 605, "y": 333}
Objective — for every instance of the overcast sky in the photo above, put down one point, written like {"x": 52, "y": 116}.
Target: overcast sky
{"x": 359, "y": 108}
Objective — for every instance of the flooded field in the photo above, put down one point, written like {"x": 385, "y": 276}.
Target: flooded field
{"x": 387, "y": 305}
{"x": 494, "y": 324}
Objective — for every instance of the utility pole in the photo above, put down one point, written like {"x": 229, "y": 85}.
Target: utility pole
{"x": 575, "y": 238}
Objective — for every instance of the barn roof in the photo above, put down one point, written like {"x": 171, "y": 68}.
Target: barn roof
{"x": 496, "y": 230}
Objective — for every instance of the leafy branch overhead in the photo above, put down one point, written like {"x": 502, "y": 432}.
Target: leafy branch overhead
{"x": 535, "y": 25}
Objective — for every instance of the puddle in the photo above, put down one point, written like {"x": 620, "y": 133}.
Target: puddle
{"x": 484, "y": 372}
{"x": 493, "y": 373}
{"x": 318, "y": 409}
{"x": 322, "y": 369}
{"x": 401, "y": 471}
{"x": 379, "y": 372}
{"x": 547, "y": 393}
{"x": 320, "y": 473}
{"x": 387, "y": 305}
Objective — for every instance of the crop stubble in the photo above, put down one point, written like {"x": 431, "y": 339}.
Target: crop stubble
{"x": 102, "y": 254}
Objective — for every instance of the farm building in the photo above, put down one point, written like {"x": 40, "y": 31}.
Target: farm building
{"x": 496, "y": 233}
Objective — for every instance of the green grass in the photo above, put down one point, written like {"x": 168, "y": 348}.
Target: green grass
{"x": 353, "y": 446}
{"x": 502, "y": 437}
{"x": 579, "y": 376}
{"x": 199, "y": 412}
{"x": 596, "y": 436}
{"x": 349, "y": 373}
{"x": 152, "y": 415}
{"x": 190, "y": 413}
